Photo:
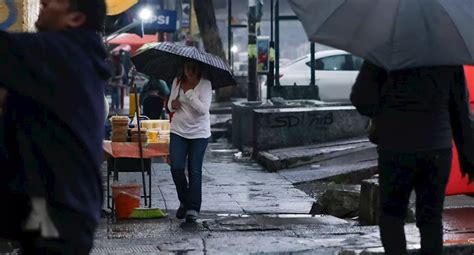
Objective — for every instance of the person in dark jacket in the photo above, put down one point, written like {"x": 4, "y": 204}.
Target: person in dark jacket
{"x": 416, "y": 113}
{"x": 153, "y": 97}
{"x": 53, "y": 128}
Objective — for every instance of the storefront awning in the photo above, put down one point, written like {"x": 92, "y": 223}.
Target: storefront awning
{"x": 133, "y": 40}
{"x": 115, "y": 7}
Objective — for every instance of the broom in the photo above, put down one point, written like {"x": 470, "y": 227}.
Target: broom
{"x": 147, "y": 213}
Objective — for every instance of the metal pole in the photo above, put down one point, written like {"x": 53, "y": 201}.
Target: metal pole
{"x": 313, "y": 66}
{"x": 277, "y": 42}
{"x": 272, "y": 14}
{"x": 140, "y": 144}
{"x": 179, "y": 10}
{"x": 271, "y": 73}
{"x": 229, "y": 34}
{"x": 172, "y": 5}
{"x": 252, "y": 52}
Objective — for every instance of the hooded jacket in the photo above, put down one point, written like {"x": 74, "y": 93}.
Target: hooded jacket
{"x": 54, "y": 117}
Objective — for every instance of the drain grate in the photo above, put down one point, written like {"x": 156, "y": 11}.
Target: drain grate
{"x": 128, "y": 249}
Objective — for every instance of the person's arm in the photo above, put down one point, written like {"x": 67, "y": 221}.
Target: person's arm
{"x": 173, "y": 95}
{"x": 365, "y": 95}
{"x": 201, "y": 101}
{"x": 462, "y": 123}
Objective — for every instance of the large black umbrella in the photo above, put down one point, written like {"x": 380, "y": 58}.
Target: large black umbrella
{"x": 164, "y": 61}
{"x": 393, "y": 34}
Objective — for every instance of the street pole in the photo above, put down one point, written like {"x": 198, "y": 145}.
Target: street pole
{"x": 313, "y": 65}
{"x": 179, "y": 27}
{"x": 168, "y": 5}
{"x": 271, "y": 73}
{"x": 252, "y": 52}
{"x": 277, "y": 42}
{"x": 161, "y": 34}
{"x": 229, "y": 34}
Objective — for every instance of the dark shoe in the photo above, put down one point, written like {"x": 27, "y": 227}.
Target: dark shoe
{"x": 181, "y": 213}
{"x": 191, "y": 218}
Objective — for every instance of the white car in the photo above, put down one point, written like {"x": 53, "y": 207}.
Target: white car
{"x": 335, "y": 72}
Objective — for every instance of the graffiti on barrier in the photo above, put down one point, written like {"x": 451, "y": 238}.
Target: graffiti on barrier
{"x": 308, "y": 120}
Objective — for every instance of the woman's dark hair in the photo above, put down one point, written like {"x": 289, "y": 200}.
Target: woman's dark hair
{"x": 94, "y": 10}
{"x": 195, "y": 66}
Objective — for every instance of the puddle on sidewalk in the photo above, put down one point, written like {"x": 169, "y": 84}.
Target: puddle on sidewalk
{"x": 233, "y": 215}
{"x": 265, "y": 222}
{"x": 299, "y": 219}
{"x": 458, "y": 226}
{"x": 292, "y": 216}
{"x": 272, "y": 216}
{"x": 224, "y": 150}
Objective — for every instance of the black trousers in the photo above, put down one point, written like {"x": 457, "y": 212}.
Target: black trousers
{"x": 76, "y": 231}
{"x": 399, "y": 173}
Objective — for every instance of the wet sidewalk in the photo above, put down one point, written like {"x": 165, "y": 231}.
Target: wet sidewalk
{"x": 248, "y": 210}
{"x": 229, "y": 187}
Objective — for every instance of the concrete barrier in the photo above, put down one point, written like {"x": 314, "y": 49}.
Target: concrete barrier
{"x": 369, "y": 212}
{"x": 242, "y": 121}
{"x": 289, "y": 127}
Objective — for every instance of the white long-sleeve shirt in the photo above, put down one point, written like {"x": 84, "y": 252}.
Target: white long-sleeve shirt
{"x": 192, "y": 121}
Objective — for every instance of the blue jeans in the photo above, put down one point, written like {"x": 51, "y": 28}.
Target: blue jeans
{"x": 192, "y": 151}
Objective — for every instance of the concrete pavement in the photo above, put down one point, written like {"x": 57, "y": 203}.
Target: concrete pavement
{"x": 248, "y": 210}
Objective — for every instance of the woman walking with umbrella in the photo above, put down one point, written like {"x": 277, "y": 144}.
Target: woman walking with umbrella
{"x": 190, "y": 101}
{"x": 189, "y": 104}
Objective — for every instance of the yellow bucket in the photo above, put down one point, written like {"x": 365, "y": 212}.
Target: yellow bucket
{"x": 132, "y": 104}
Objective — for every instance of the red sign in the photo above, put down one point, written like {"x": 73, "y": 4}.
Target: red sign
{"x": 457, "y": 184}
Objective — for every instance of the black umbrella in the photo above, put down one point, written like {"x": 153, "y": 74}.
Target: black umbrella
{"x": 164, "y": 61}
{"x": 394, "y": 34}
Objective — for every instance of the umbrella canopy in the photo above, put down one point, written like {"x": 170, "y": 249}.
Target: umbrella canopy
{"x": 134, "y": 40}
{"x": 394, "y": 34}
{"x": 164, "y": 61}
